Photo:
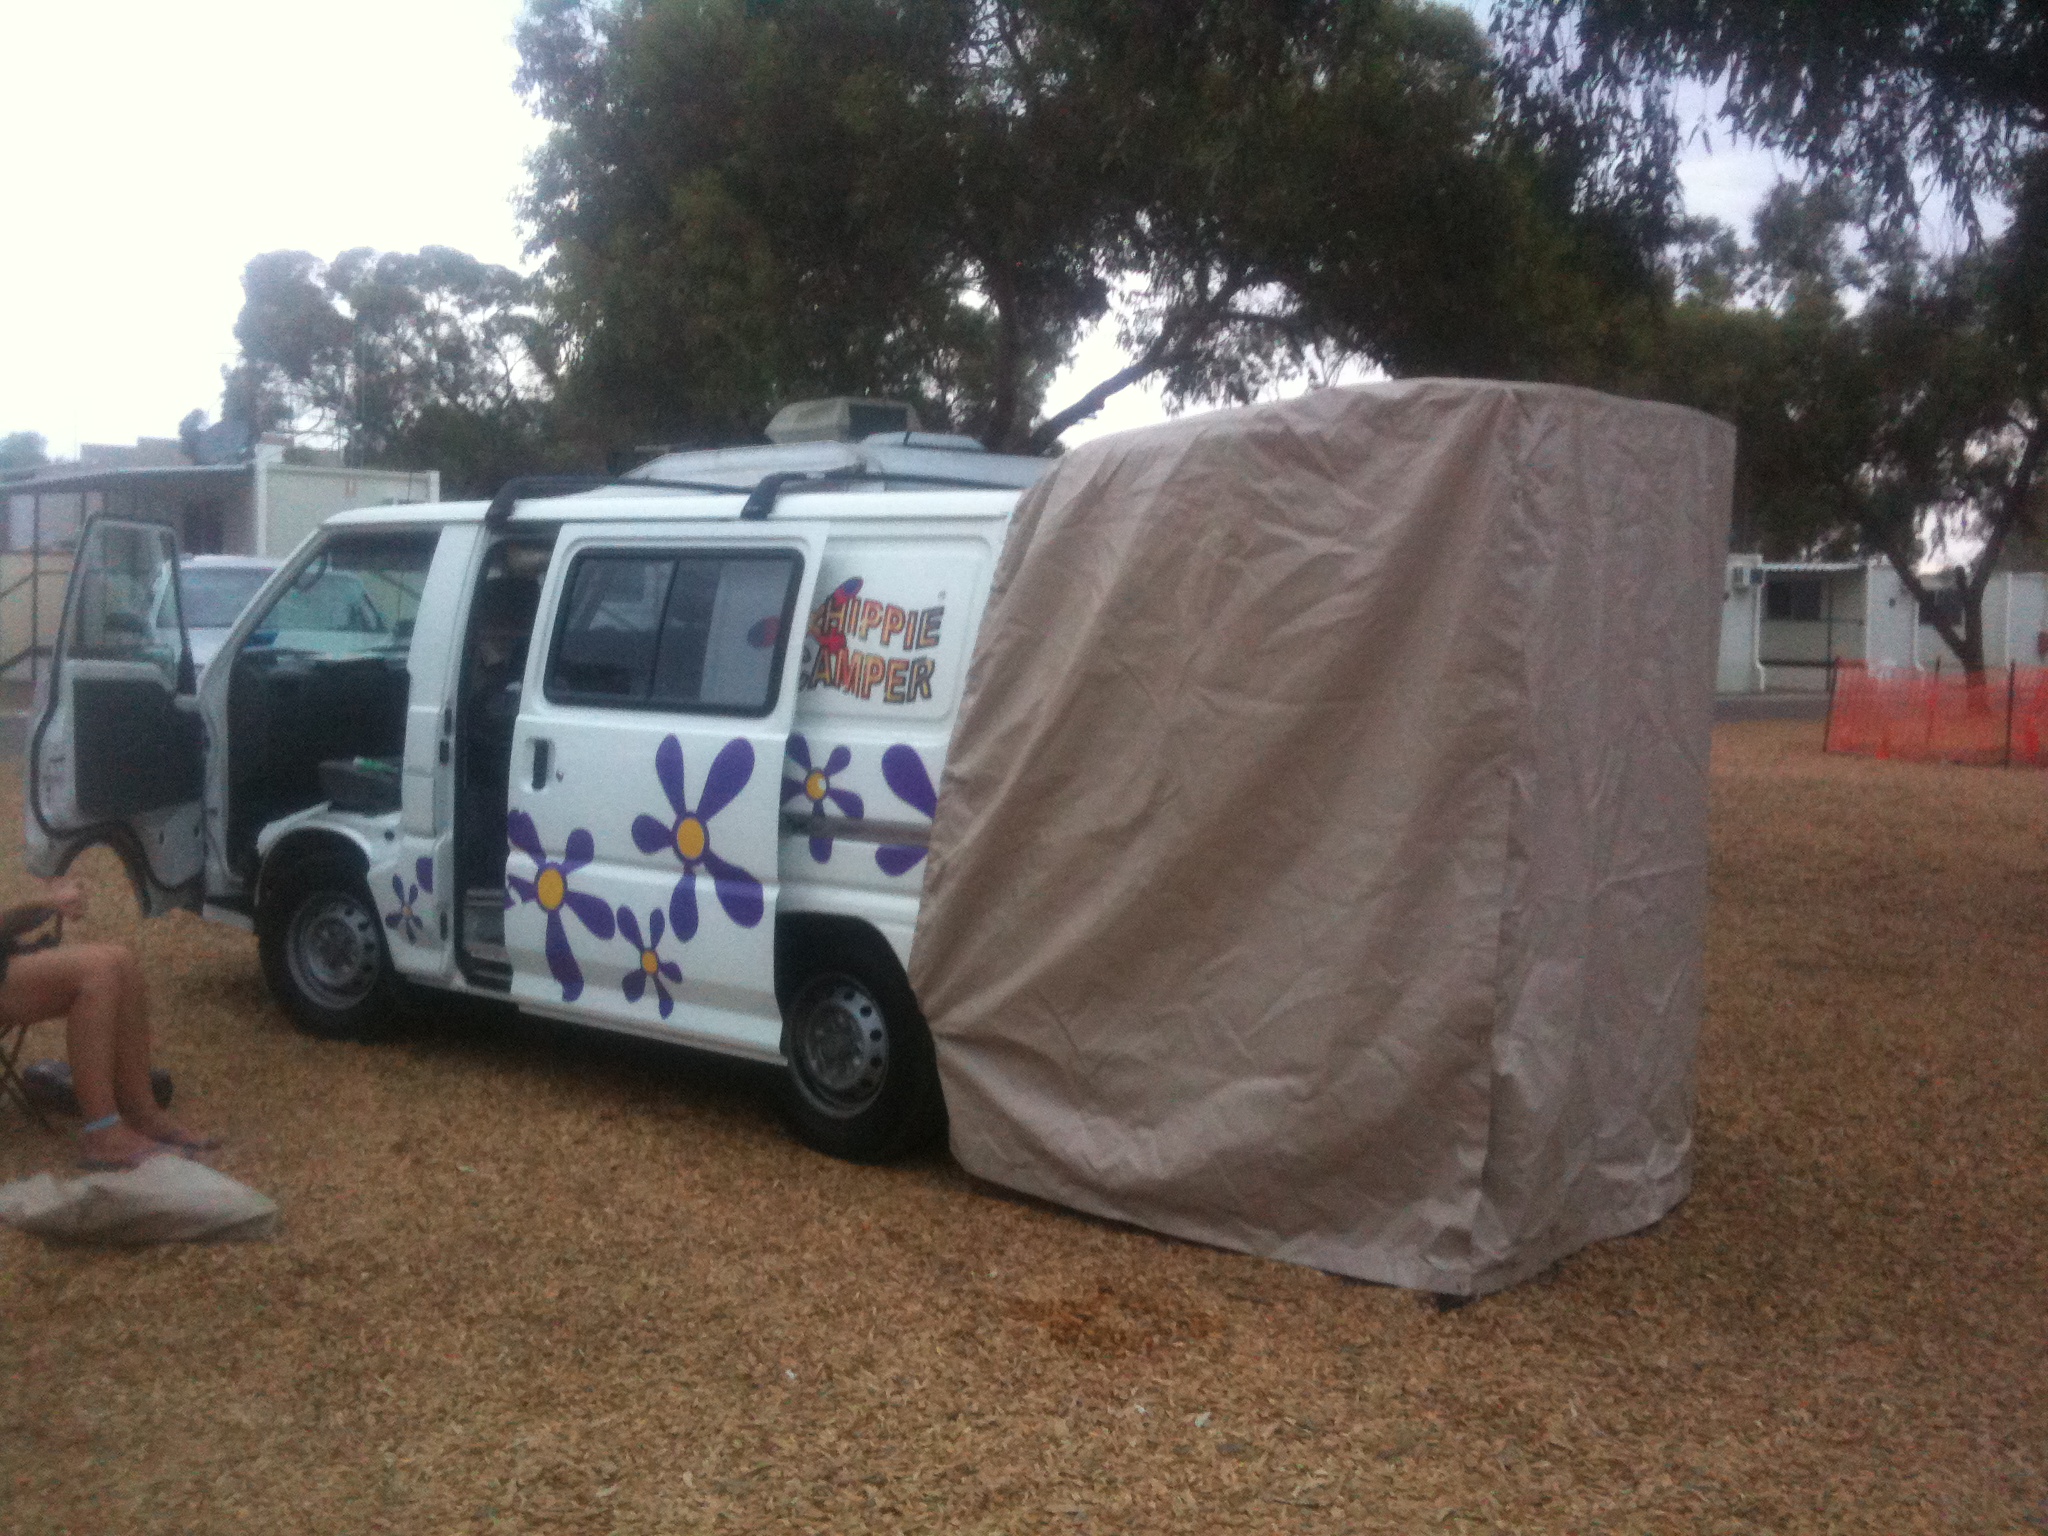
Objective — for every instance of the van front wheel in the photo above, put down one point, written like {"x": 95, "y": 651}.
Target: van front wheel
{"x": 322, "y": 946}
{"x": 862, "y": 1082}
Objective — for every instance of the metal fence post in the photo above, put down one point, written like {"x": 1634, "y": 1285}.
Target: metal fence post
{"x": 1827, "y": 732}
{"x": 2012, "y": 679}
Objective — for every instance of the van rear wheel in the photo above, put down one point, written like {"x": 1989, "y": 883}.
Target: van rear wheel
{"x": 322, "y": 946}
{"x": 862, "y": 1081}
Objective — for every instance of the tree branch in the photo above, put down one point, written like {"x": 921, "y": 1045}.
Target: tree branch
{"x": 1923, "y": 599}
{"x": 1047, "y": 432}
{"x": 2012, "y": 506}
{"x": 1176, "y": 336}
{"x": 1002, "y": 411}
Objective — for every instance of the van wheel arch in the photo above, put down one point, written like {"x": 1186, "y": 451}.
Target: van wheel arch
{"x": 321, "y": 940}
{"x": 861, "y": 1080}
{"x": 312, "y": 843}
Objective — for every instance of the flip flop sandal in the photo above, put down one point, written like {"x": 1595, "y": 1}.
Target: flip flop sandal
{"x": 134, "y": 1160}
{"x": 188, "y": 1143}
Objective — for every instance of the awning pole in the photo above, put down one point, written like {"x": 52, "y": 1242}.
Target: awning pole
{"x": 35, "y": 594}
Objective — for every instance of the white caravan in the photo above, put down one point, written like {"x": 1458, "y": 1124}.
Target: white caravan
{"x": 659, "y": 757}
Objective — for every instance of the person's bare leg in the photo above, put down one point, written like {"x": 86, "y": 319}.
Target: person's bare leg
{"x": 106, "y": 1038}
{"x": 78, "y": 984}
{"x": 132, "y": 1090}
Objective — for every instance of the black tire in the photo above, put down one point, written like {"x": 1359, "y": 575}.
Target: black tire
{"x": 862, "y": 1082}
{"x": 322, "y": 944}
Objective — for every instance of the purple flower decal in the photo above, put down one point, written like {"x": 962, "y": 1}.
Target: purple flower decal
{"x": 816, "y": 787}
{"x": 549, "y": 889}
{"x": 652, "y": 969}
{"x": 687, "y": 835}
{"x": 904, "y": 772}
{"x": 406, "y": 918}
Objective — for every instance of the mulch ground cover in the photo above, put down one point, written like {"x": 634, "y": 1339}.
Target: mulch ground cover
{"x": 540, "y": 1280}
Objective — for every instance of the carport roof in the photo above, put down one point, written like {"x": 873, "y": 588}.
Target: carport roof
{"x": 174, "y": 477}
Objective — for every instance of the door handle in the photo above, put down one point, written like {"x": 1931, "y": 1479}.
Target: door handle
{"x": 542, "y": 751}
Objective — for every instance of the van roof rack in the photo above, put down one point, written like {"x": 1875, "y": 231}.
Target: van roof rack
{"x": 761, "y": 496}
{"x": 536, "y": 487}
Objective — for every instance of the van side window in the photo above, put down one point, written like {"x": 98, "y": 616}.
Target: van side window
{"x": 611, "y": 619}
{"x": 687, "y": 630}
{"x": 127, "y": 597}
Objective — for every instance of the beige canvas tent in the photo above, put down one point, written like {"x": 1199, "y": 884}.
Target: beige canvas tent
{"x": 1320, "y": 864}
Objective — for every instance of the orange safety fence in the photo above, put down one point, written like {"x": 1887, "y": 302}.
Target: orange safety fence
{"x": 1995, "y": 718}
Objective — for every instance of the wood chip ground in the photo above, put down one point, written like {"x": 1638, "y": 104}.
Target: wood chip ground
{"x": 534, "y": 1280}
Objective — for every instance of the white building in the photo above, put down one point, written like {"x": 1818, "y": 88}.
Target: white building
{"x": 262, "y": 508}
{"x": 1784, "y": 622}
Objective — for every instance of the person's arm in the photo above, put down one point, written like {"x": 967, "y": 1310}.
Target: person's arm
{"x": 61, "y": 899}
{"x": 67, "y": 896}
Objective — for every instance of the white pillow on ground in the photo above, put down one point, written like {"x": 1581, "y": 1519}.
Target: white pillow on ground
{"x": 166, "y": 1200}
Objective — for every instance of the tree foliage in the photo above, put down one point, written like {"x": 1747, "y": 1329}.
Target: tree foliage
{"x": 1886, "y": 402}
{"x": 23, "y": 450}
{"x": 396, "y": 359}
{"x": 1952, "y": 92}
{"x": 743, "y": 203}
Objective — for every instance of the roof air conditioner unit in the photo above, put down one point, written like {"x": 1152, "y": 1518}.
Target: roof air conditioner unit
{"x": 839, "y": 420}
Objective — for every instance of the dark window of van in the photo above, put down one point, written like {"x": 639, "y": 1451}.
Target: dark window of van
{"x": 690, "y": 630}
{"x": 611, "y": 619}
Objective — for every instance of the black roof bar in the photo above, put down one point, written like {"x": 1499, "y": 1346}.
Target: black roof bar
{"x": 760, "y": 499}
{"x": 531, "y": 486}
{"x": 534, "y": 487}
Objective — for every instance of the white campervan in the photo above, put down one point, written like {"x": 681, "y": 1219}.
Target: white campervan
{"x": 659, "y": 756}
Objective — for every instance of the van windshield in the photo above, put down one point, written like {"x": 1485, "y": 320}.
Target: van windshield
{"x": 358, "y": 595}
{"x": 214, "y": 599}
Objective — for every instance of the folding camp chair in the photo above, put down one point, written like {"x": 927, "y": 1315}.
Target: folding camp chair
{"x": 16, "y": 924}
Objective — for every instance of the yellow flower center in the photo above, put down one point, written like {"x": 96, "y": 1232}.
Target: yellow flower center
{"x": 549, "y": 888}
{"x": 648, "y": 962}
{"x": 814, "y": 786}
{"x": 690, "y": 838}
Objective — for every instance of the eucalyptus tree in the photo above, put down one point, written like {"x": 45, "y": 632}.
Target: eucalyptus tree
{"x": 23, "y": 450}
{"x": 396, "y": 358}
{"x": 1887, "y": 402}
{"x": 1890, "y": 402}
{"x": 741, "y": 203}
{"x": 1894, "y": 99}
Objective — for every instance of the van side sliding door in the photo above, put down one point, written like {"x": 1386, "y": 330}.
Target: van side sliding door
{"x": 646, "y": 777}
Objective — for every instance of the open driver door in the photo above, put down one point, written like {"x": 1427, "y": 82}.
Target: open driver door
{"x": 117, "y": 752}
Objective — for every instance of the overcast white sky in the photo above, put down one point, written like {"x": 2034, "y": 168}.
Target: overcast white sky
{"x": 153, "y": 149}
